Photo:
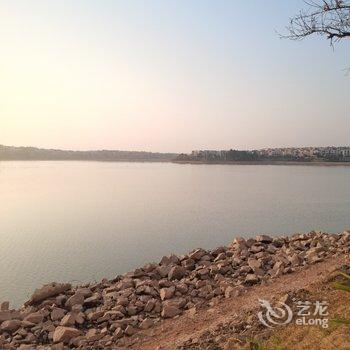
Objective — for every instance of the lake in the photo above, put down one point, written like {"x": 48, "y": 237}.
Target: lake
{"x": 82, "y": 221}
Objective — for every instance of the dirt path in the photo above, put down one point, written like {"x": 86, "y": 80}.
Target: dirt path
{"x": 171, "y": 333}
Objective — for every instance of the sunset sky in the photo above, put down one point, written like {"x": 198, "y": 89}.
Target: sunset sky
{"x": 167, "y": 75}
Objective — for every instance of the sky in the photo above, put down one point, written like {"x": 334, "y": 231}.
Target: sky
{"x": 168, "y": 76}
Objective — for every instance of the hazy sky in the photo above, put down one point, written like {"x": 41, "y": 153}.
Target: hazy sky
{"x": 167, "y": 75}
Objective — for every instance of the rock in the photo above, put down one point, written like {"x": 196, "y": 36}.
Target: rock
{"x": 263, "y": 239}
{"x": 131, "y": 310}
{"x": 251, "y": 278}
{"x": 93, "y": 300}
{"x": 169, "y": 260}
{"x": 65, "y": 334}
{"x": 149, "y": 305}
{"x": 92, "y": 316}
{"x": 167, "y": 293}
{"x": 86, "y": 292}
{"x": 125, "y": 284}
{"x": 220, "y": 256}
{"x": 4, "y": 306}
{"x": 231, "y": 292}
{"x": 188, "y": 264}
{"x": 93, "y": 335}
{"x": 57, "y": 314}
{"x": 176, "y": 273}
{"x": 312, "y": 256}
{"x": 146, "y": 323}
{"x": 9, "y": 315}
{"x": 35, "y": 317}
{"x": 47, "y": 291}
{"x": 130, "y": 330}
{"x": 170, "y": 311}
{"x": 118, "y": 333}
{"x": 123, "y": 301}
{"x": 68, "y": 320}
{"x": 197, "y": 254}
{"x": 79, "y": 317}
{"x": 256, "y": 248}
{"x": 76, "y": 299}
{"x": 294, "y": 260}
{"x": 11, "y": 325}
{"x": 254, "y": 263}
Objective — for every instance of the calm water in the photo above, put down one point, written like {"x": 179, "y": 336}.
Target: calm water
{"x": 82, "y": 221}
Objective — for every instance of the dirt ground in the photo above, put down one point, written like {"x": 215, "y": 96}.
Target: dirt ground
{"x": 232, "y": 323}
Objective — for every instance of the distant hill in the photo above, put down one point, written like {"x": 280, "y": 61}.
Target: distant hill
{"x": 33, "y": 153}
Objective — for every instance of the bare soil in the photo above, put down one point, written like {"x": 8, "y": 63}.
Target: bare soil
{"x": 232, "y": 323}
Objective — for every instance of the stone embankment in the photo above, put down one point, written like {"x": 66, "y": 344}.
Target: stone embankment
{"x": 109, "y": 314}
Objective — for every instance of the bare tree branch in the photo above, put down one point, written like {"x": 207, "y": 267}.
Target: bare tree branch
{"x": 329, "y": 18}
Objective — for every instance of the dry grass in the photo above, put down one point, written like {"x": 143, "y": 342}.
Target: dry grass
{"x": 336, "y": 336}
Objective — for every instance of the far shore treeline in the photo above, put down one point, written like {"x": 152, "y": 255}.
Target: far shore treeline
{"x": 302, "y": 154}
{"x": 33, "y": 153}
{"x": 293, "y": 154}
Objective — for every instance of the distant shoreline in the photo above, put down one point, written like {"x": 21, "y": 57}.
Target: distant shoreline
{"x": 262, "y": 162}
{"x": 192, "y": 162}
{"x": 90, "y": 160}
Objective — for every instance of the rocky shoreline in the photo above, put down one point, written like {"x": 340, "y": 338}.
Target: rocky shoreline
{"x": 109, "y": 314}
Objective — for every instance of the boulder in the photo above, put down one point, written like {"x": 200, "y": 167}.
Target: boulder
{"x": 254, "y": 263}
{"x": 118, "y": 333}
{"x": 149, "y": 305}
{"x": 94, "y": 315}
{"x": 35, "y": 317}
{"x": 167, "y": 293}
{"x": 4, "y": 306}
{"x": 197, "y": 254}
{"x": 170, "y": 260}
{"x": 170, "y": 311}
{"x": 76, "y": 299}
{"x": 57, "y": 314}
{"x": 146, "y": 323}
{"x": 130, "y": 330}
{"x": 176, "y": 273}
{"x": 93, "y": 300}
{"x": 11, "y": 325}
{"x": 251, "y": 278}
{"x": 93, "y": 335}
{"x": 48, "y": 291}
{"x": 65, "y": 334}
{"x": 68, "y": 320}
{"x": 9, "y": 315}
{"x": 264, "y": 239}
{"x": 239, "y": 243}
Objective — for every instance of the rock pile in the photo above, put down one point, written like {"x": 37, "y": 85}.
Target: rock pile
{"x": 101, "y": 315}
